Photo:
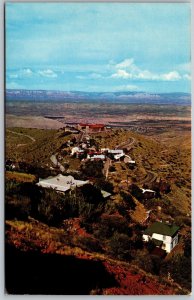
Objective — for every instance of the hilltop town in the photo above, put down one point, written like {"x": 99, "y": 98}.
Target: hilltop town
{"x": 103, "y": 195}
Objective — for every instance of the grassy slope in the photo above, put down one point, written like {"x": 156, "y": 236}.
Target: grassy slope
{"x": 46, "y": 143}
{"x": 166, "y": 156}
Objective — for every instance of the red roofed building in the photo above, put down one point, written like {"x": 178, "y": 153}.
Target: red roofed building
{"x": 91, "y": 127}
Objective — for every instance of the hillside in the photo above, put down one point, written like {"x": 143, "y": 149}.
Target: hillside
{"x": 85, "y": 230}
{"x": 102, "y": 275}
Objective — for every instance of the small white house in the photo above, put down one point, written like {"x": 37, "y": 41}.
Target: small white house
{"x": 116, "y": 151}
{"x": 118, "y": 156}
{"x": 96, "y": 157}
{"x": 74, "y": 150}
{"x": 164, "y": 235}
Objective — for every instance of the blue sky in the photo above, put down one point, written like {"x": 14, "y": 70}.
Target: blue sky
{"x": 98, "y": 47}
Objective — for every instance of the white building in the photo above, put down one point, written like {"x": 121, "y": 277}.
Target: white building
{"x": 118, "y": 156}
{"x": 128, "y": 160}
{"x": 116, "y": 151}
{"x": 164, "y": 235}
{"x": 61, "y": 183}
{"x": 74, "y": 150}
{"x": 96, "y": 156}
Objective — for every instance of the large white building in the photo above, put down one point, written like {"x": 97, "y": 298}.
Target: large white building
{"x": 61, "y": 183}
{"x": 164, "y": 235}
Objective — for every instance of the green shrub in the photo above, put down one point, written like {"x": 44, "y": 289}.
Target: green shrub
{"x": 128, "y": 200}
{"x": 104, "y": 184}
{"x": 120, "y": 246}
{"x": 149, "y": 263}
{"x": 179, "y": 267}
{"x": 112, "y": 169}
{"x": 93, "y": 169}
{"x": 110, "y": 224}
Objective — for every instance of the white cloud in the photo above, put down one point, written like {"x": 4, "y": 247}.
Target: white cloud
{"x": 121, "y": 74}
{"x": 47, "y": 73}
{"x": 22, "y": 73}
{"x": 127, "y": 63}
{"x": 127, "y": 69}
{"x": 187, "y": 76}
{"x": 147, "y": 75}
{"x": 26, "y": 72}
{"x": 171, "y": 76}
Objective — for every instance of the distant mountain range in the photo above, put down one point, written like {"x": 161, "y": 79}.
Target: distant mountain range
{"x": 114, "y": 97}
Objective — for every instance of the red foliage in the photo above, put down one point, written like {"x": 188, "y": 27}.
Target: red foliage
{"x": 134, "y": 284}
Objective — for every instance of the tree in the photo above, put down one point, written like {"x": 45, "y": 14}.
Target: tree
{"x": 179, "y": 267}
{"x": 93, "y": 168}
{"x": 51, "y": 207}
{"x": 128, "y": 200}
{"x": 112, "y": 169}
{"x": 91, "y": 194}
{"x": 120, "y": 246}
{"x": 136, "y": 191}
{"x": 149, "y": 263}
{"x": 104, "y": 184}
{"x": 34, "y": 192}
{"x": 187, "y": 246}
{"x": 109, "y": 224}
{"x": 150, "y": 245}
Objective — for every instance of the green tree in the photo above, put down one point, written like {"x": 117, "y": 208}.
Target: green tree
{"x": 120, "y": 246}
{"x": 51, "y": 207}
{"x": 93, "y": 169}
{"x": 128, "y": 200}
{"x": 179, "y": 267}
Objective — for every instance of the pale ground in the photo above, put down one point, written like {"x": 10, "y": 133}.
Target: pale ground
{"x": 32, "y": 122}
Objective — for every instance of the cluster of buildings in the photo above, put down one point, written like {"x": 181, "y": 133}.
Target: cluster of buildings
{"x": 102, "y": 154}
{"x": 163, "y": 235}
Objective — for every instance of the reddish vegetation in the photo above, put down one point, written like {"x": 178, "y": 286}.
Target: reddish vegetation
{"x": 130, "y": 281}
{"x": 73, "y": 227}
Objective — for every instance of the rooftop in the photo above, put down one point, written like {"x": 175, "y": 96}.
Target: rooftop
{"x": 162, "y": 228}
{"x": 105, "y": 194}
{"x": 61, "y": 183}
{"x": 92, "y": 125}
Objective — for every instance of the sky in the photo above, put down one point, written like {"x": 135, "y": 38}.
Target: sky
{"x": 98, "y": 47}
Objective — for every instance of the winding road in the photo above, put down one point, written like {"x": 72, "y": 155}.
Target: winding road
{"x": 128, "y": 144}
{"x": 22, "y": 134}
{"x": 149, "y": 178}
